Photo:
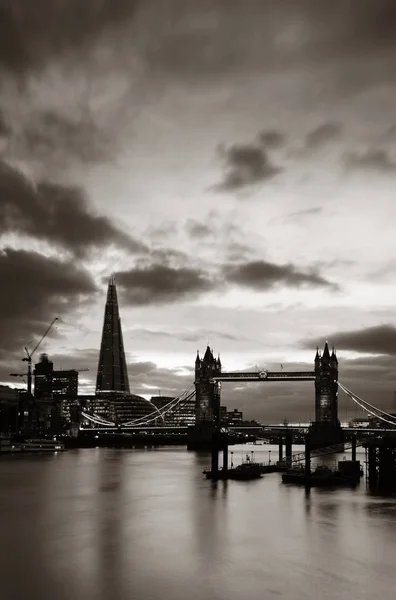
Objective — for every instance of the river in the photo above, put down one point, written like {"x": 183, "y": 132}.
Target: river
{"x": 106, "y": 524}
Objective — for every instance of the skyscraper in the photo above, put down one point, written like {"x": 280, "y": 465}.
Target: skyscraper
{"x": 112, "y": 370}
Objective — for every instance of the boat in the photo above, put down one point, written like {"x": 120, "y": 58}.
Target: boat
{"x": 41, "y": 445}
{"x": 245, "y": 471}
{"x": 7, "y": 446}
{"x": 323, "y": 476}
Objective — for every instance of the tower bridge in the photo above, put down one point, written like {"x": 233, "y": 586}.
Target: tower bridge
{"x": 209, "y": 376}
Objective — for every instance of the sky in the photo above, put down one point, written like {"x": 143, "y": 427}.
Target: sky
{"x": 233, "y": 163}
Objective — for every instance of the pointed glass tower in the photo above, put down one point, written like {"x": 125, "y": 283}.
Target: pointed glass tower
{"x": 112, "y": 370}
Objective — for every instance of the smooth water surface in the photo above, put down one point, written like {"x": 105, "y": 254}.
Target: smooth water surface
{"x": 144, "y": 525}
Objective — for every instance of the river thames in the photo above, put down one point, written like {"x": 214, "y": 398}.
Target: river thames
{"x": 104, "y": 524}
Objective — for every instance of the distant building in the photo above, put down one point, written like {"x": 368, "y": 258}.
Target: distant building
{"x": 181, "y": 415}
{"x": 55, "y": 391}
{"x": 234, "y": 418}
{"x": 9, "y": 409}
{"x": 42, "y": 374}
{"x": 113, "y": 401}
{"x": 112, "y": 370}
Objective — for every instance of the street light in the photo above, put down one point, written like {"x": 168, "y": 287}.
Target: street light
{"x": 269, "y": 452}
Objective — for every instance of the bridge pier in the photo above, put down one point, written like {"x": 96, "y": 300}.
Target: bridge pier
{"x": 280, "y": 448}
{"x": 288, "y": 447}
{"x": 353, "y": 440}
{"x": 225, "y": 452}
{"x": 215, "y": 455}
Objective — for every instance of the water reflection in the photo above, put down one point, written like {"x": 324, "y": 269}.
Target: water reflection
{"x": 113, "y": 524}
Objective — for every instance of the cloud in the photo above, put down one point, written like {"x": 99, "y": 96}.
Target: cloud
{"x": 31, "y": 34}
{"x": 272, "y": 138}
{"x": 55, "y": 213}
{"x": 185, "y": 335}
{"x": 380, "y": 339}
{"x": 372, "y": 160}
{"x": 246, "y": 165}
{"x": 197, "y": 229}
{"x": 307, "y": 212}
{"x": 322, "y": 135}
{"x": 35, "y": 290}
{"x": 147, "y": 378}
{"x": 160, "y": 284}
{"x": 261, "y": 275}
{"x": 4, "y": 127}
{"x": 49, "y": 133}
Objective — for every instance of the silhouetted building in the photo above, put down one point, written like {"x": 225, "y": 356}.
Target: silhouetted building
{"x": 9, "y": 410}
{"x": 43, "y": 371}
{"x": 112, "y": 370}
{"x": 55, "y": 391}
{"x": 113, "y": 401}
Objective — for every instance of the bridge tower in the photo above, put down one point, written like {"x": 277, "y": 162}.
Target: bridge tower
{"x": 207, "y": 401}
{"x": 207, "y": 392}
{"x": 326, "y": 429}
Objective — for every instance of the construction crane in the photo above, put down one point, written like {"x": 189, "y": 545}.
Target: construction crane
{"x": 28, "y": 359}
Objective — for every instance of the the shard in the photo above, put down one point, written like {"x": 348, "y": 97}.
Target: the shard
{"x": 112, "y": 370}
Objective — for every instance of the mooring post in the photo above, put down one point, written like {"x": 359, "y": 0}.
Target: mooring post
{"x": 353, "y": 447}
{"x": 215, "y": 455}
{"x": 225, "y": 453}
{"x": 307, "y": 455}
{"x": 372, "y": 466}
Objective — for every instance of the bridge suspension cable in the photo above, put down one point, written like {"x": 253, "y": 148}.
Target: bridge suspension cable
{"x": 168, "y": 408}
{"x": 185, "y": 396}
{"x": 97, "y": 420}
{"x": 369, "y": 408}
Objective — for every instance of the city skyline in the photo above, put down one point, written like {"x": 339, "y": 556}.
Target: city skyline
{"x": 235, "y": 169}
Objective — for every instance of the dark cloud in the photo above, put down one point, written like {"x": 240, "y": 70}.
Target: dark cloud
{"x": 4, "y": 127}
{"x": 377, "y": 160}
{"x": 33, "y": 33}
{"x": 307, "y": 212}
{"x": 273, "y": 36}
{"x": 49, "y": 133}
{"x": 197, "y": 229}
{"x": 261, "y": 275}
{"x": 38, "y": 289}
{"x": 160, "y": 284}
{"x": 246, "y": 165}
{"x": 272, "y": 138}
{"x": 183, "y": 335}
{"x": 55, "y": 213}
{"x": 191, "y": 39}
{"x": 390, "y": 134}
{"x": 322, "y": 135}
{"x": 380, "y": 339}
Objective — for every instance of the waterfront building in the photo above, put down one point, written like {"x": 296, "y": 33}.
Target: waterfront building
{"x": 55, "y": 391}
{"x": 182, "y": 415}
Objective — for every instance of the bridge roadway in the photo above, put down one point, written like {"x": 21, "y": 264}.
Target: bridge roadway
{"x": 265, "y": 429}
{"x": 266, "y": 376}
